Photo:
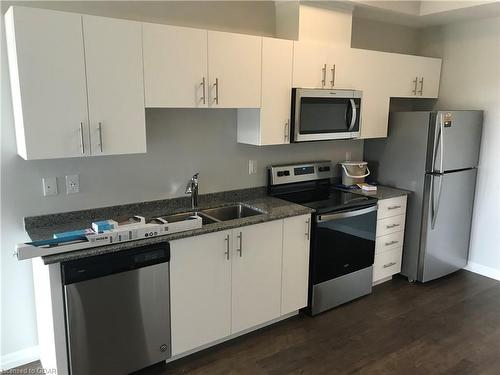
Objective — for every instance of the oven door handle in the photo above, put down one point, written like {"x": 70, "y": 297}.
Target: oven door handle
{"x": 343, "y": 215}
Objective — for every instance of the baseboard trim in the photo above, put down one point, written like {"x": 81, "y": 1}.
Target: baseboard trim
{"x": 19, "y": 358}
{"x": 490, "y": 272}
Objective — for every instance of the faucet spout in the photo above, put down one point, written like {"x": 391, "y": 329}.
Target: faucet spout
{"x": 192, "y": 188}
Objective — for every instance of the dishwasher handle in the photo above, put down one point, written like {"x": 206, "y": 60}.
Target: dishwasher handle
{"x": 78, "y": 270}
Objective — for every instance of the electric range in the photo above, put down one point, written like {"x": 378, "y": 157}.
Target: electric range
{"x": 343, "y": 232}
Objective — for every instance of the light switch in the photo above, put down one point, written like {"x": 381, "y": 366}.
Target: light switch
{"x": 49, "y": 186}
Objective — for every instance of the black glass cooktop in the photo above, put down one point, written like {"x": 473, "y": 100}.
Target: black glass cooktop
{"x": 327, "y": 200}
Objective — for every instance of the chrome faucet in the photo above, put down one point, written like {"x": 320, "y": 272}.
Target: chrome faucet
{"x": 192, "y": 188}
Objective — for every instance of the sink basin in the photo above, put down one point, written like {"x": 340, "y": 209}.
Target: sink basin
{"x": 185, "y": 215}
{"x": 236, "y": 211}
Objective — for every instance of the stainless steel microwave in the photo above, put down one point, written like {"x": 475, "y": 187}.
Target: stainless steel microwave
{"x": 319, "y": 114}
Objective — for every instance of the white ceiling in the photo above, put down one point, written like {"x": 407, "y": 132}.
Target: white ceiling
{"x": 425, "y": 13}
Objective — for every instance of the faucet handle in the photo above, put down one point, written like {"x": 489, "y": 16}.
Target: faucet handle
{"x": 192, "y": 183}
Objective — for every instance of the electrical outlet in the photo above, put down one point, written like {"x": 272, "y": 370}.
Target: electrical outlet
{"x": 252, "y": 167}
{"x": 49, "y": 186}
{"x": 72, "y": 184}
{"x": 348, "y": 155}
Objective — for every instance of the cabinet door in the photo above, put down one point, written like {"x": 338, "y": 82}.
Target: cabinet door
{"x": 234, "y": 69}
{"x": 175, "y": 66}
{"x": 309, "y": 64}
{"x": 342, "y": 68}
{"x": 295, "y": 275}
{"x": 413, "y": 76}
{"x": 113, "y": 55}
{"x": 256, "y": 274}
{"x": 47, "y": 73}
{"x": 431, "y": 75}
{"x": 200, "y": 290}
{"x": 276, "y": 91}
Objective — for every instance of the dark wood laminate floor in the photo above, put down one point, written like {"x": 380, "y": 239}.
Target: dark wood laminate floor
{"x": 449, "y": 326}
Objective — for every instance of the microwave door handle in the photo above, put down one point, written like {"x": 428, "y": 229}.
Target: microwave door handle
{"x": 354, "y": 114}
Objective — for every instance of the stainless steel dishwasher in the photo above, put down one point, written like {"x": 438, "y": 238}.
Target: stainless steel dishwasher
{"x": 118, "y": 310}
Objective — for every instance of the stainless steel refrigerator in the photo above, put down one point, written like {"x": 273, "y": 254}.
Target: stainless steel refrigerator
{"x": 434, "y": 155}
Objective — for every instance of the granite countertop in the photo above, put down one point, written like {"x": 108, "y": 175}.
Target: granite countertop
{"x": 43, "y": 227}
{"x": 383, "y": 192}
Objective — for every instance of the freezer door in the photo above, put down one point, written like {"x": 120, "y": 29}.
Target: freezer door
{"x": 455, "y": 137}
{"x": 448, "y": 203}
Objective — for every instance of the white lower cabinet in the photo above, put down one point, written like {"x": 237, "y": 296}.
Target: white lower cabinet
{"x": 200, "y": 290}
{"x": 391, "y": 219}
{"x": 226, "y": 282}
{"x": 256, "y": 274}
{"x": 295, "y": 273}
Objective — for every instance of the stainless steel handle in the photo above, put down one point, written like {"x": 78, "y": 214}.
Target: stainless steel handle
{"x": 308, "y": 228}
{"x": 342, "y": 215}
{"x": 332, "y": 82}
{"x": 393, "y": 207}
{"x": 287, "y": 131}
{"x": 392, "y": 226}
{"x": 354, "y": 114}
{"x": 203, "y": 98}
{"x": 421, "y": 91}
{"x": 435, "y": 206}
{"x": 82, "y": 145}
{"x": 415, "y": 82}
{"x": 323, "y": 81}
{"x": 440, "y": 145}
{"x": 391, "y": 243}
{"x": 227, "y": 247}
{"x": 389, "y": 264}
{"x": 216, "y": 84}
{"x": 240, "y": 250}
{"x": 100, "y": 136}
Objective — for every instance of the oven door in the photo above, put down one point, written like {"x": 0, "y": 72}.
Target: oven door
{"x": 325, "y": 114}
{"x": 344, "y": 242}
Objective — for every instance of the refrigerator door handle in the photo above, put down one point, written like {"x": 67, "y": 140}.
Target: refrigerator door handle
{"x": 441, "y": 127}
{"x": 439, "y": 145}
{"x": 435, "y": 206}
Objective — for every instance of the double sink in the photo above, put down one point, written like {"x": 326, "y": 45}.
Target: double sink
{"x": 217, "y": 214}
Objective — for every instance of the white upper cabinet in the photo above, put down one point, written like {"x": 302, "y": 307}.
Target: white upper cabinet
{"x": 256, "y": 274}
{"x": 113, "y": 55}
{"x": 47, "y": 76}
{"x": 342, "y": 68}
{"x": 234, "y": 70}
{"x": 310, "y": 64}
{"x": 77, "y": 84}
{"x": 413, "y": 76}
{"x": 175, "y": 66}
{"x": 270, "y": 125}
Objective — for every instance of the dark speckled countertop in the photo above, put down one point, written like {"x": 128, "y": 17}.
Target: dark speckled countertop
{"x": 383, "y": 192}
{"x": 43, "y": 227}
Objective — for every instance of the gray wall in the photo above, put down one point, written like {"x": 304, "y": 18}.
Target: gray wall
{"x": 180, "y": 142}
{"x": 471, "y": 80}
{"x": 380, "y": 36}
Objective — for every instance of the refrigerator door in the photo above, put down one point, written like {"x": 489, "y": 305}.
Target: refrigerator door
{"x": 454, "y": 140}
{"x": 448, "y": 203}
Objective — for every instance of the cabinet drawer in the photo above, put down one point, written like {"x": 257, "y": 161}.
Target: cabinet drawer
{"x": 387, "y": 264}
{"x": 390, "y": 225}
{"x": 391, "y": 207}
{"x": 389, "y": 241}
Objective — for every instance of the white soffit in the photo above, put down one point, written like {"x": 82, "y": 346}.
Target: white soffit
{"x": 425, "y": 13}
